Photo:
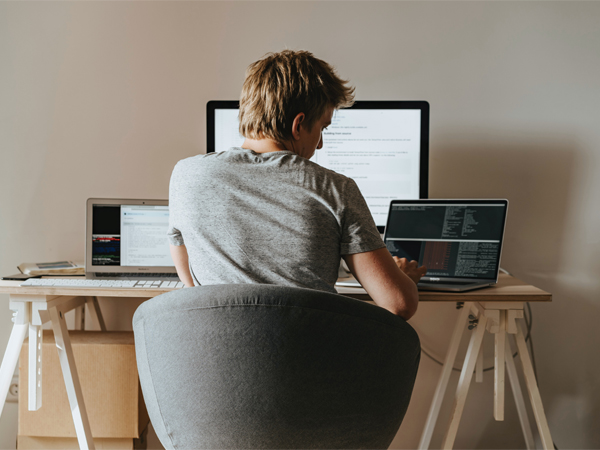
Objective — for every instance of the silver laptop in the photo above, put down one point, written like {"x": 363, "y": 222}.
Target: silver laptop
{"x": 127, "y": 239}
{"x": 459, "y": 241}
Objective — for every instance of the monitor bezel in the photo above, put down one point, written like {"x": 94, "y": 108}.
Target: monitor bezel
{"x": 421, "y": 105}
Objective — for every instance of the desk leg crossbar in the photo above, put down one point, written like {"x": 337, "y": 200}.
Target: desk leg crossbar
{"x": 501, "y": 323}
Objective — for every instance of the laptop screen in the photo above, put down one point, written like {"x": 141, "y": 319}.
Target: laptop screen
{"x": 452, "y": 238}
{"x": 129, "y": 235}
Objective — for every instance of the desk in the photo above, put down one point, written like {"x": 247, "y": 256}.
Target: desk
{"x": 32, "y": 307}
{"x": 493, "y": 309}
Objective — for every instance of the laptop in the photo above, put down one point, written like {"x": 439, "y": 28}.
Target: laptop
{"x": 459, "y": 241}
{"x": 126, "y": 239}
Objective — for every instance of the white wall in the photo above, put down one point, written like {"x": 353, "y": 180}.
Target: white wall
{"x": 102, "y": 98}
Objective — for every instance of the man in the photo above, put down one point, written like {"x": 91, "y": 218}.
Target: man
{"x": 264, "y": 213}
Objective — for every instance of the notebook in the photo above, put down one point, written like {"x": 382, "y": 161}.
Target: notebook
{"x": 127, "y": 239}
{"x": 459, "y": 241}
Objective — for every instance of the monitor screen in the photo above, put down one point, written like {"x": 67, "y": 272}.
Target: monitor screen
{"x": 382, "y": 145}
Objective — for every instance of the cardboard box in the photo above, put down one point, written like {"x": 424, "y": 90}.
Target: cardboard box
{"x": 109, "y": 381}
{"x": 57, "y": 443}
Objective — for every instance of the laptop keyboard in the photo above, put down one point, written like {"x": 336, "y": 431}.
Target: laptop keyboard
{"x": 135, "y": 275}
{"x": 104, "y": 284}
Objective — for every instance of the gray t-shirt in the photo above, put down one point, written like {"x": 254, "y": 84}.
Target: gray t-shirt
{"x": 272, "y": 218}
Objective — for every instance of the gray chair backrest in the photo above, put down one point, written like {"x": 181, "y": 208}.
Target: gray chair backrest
{"x": 263, "y": 366}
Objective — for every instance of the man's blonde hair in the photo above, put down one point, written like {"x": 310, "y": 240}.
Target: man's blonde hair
{"x": 280, "y": 86}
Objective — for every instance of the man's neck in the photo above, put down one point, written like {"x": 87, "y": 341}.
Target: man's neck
{"x": 263, "y": 145}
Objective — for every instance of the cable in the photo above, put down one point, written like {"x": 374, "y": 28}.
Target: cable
{"x": 457, "y": 369}
{"x": 487, "y": 369}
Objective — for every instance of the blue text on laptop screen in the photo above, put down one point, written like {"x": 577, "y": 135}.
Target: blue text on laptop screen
{"x": 130, "y": 235}
{"x": 462, "y": 241}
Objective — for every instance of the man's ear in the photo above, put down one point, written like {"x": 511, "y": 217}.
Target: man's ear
{"x": 298, "y": 120}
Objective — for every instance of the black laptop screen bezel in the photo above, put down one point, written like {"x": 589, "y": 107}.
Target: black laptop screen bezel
{"x": 503, "y": 202}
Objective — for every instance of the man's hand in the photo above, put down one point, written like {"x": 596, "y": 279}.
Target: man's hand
{"x": 411, "y": 268}
{"x": 385, "y": 282}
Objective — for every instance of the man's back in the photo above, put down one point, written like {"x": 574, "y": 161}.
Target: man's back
{"x": 273, "y": 218}
{"x": 264, "y": 213}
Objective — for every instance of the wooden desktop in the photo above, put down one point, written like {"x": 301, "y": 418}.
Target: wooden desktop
{"x": 494, "y": 309}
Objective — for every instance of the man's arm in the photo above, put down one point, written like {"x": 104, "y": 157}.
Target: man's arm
{"x": 386, "y": 283}
{"x": 180, "y": 258}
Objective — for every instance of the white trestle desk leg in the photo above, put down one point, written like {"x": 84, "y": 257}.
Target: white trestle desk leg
{"x": 534, "y": 392}
{"x": 464, "y": 381}
{"x": 499, "y": 358}
{"x": 95, "y": 312}
{"x": 519, "y": 399}
{"x": 36, "y": 337}
{"x": 35, "y": 368}
{"x": 80, "y": 318}
{"x": 69, "y": 370}
{"x": 440, "y": 390}
{"x": 21, "y": 317}
{"x": 479, "y": 367}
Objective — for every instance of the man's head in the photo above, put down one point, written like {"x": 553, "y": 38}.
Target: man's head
{"x": 283, "y": 85}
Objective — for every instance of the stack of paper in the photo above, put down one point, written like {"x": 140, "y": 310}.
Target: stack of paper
{"x": 53, "y": 268}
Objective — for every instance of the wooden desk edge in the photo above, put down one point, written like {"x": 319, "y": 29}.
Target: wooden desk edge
{"x": 12, "y": 287}
{"x": 508, "y": 289}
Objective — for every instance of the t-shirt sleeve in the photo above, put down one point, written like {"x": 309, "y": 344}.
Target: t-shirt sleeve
{"x": 173, "y": 233}
{"x": 359, "y": 232}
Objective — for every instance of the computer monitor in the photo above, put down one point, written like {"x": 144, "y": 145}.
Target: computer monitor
{"x": 382, "y": 145}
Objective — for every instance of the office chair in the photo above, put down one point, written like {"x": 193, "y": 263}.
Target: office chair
{"x": 264, "y": 366}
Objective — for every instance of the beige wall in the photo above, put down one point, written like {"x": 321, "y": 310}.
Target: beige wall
{"x": 101, "y": 99}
